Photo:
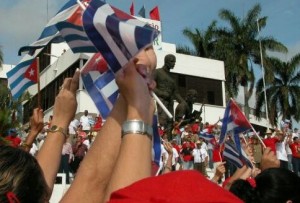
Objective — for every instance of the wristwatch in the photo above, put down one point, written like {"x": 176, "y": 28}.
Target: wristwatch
{"x": 137, "y": 127}
{"x": 55, "y": 128}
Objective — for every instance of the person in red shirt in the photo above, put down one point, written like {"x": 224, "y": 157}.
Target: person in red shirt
{"x": 13, "y": 138}
{"x": 295, "y": 148}
{"x": 271, "y": 141}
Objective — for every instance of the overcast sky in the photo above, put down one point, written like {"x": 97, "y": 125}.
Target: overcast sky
{"x": 21, "y": 21}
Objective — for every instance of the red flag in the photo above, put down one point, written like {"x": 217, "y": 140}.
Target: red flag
{"x": 132, "y": 9}
{"x": 31, "y": 72}
{"x": 154, "y": 14}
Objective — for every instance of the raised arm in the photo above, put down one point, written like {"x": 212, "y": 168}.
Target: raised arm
{"x": 64, "y": 110}
{"x": 36, "y": 126}
{"x": 134, "y": 160}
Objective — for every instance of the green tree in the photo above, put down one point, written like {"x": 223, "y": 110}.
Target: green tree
{"x": 203, "y": 42}
{"x": 238, "y": 44}
{"x": 282, "y": 89}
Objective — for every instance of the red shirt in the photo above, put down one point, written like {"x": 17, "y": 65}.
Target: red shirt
{"x": 196, "y": 128}
{"x": 295, "y": 148}
{"x": 15, "y": 141}
{"x": 271, "y": 142}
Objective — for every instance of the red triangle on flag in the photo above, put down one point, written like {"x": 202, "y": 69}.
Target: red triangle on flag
{"x": 31, "y": 72}
{"x": 96, "y": 63}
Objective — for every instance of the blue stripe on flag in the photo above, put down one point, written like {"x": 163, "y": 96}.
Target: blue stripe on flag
{"x": 156, "y": 140}
{"x": 96, "y": 95}
{"x": 96, "y": 38}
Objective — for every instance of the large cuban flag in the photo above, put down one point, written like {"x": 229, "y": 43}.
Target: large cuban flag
{"x": 50, "y": 32}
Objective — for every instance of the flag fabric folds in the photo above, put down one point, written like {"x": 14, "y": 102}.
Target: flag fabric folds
{"x": 99, "y": 82}
{"x": 50, "y": 32}
{"x": 117, "y": 35}
{"x": 154, "y": 14}
{"x": 142, "y": 12}
{"x": 206, "y": 135}
{"x": 234, "y": 121}
{"x": 73, "y": 33}
{"x": 231, "y": 154}
{"x": 132, "y": 9}
{"x": 23, "y": 75}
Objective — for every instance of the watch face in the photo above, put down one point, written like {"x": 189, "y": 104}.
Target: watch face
{"x": 53, "y": 128}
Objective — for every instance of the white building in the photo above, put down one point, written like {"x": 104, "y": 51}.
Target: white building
{"x": 207, "y": 76}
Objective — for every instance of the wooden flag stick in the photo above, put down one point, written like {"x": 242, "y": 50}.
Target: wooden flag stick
{"x": 38, "y": 83}
{"x": 258, "y": 137}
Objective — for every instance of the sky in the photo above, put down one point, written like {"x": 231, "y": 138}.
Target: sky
{"x": 21, "y": 21}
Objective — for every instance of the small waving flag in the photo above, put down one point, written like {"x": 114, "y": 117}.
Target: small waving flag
{"x": 23, "y": 75}
{"x": 234, "y": 121}
{"x": 154, "y": 14}
{"x": 116, "y": 34}
{"x": 231, "y": 154}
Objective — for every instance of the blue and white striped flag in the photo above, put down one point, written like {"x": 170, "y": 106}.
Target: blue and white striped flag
{"x": 50, "y": 32}
{"x": 73, "y": 33}
{"x": 117, "y": 35}
{"x": 232, "y": 154}
{"x": 206, "y": 135}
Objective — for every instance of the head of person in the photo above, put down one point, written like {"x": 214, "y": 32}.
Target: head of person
{"x": 198, "y": 144}
{"x": 280, "y": 135}
{"x": 268, "y": 133}
{"x": 86, "y": 112}
{"x": 296, "y": 139}
{"x": 170, "y": 61}
{"x": 21, "y": 175}
{"x": 271, "y": 185}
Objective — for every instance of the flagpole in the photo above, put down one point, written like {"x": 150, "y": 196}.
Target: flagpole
{"x": 38, "y": 83}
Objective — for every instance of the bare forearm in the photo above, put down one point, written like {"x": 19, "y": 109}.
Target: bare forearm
{"x": 49, "y": 162}
{"x": 96, "y": 168}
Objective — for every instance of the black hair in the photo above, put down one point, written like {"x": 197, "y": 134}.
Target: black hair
{"x": 274, "y": 185}
{"x": 21, "y": 175}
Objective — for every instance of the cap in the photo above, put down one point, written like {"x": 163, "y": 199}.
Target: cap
{"x": 269, "y": 131}
{"x": 161, "y": 189}
{"x": 198, "y": 142}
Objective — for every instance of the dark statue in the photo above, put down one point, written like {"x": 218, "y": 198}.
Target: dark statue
{"x": 184, "y": 111}
{"x": 167, "y": 91}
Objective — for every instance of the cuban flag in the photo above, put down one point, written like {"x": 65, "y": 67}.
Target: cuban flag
{"x": 232, "y": 154}
{"x": 117, "y": 35}
{"x": 50, "y": 32}
{"x": 99, "y": 82}
{"x": 23, "y": 75}
{"x": 234, "y": 122}
{"x": 73, "y": 33}
{"x": 205, "y": 134}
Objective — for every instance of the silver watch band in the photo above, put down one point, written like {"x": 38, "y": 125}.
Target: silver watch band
{"x": 137, "y": 127}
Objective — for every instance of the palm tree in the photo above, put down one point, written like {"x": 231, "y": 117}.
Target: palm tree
{"x": 282, "y": 89}
{"x": 202, "y": 41}
{"x": 239, "y": 47}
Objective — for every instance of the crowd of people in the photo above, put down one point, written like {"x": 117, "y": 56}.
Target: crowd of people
{"x": 117, "y": 164}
